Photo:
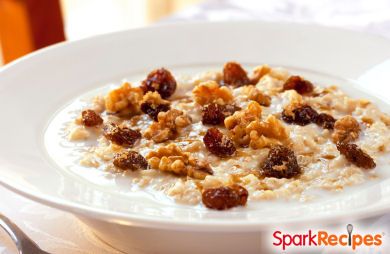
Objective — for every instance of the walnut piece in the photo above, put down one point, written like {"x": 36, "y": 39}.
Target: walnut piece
{"x": 246, "y": 128}
{"x": 295, "y": 101}
{"x": 211, "y": 92}
{"x": 263, "y": 70}
{"x": 346, "y": 129}
{"x": 266, "y": 133}
{"x": 124, "y": 100}
{"x": 167, "y": 126}
{"x": 237, "y": 123}
{"x": 171, "y": 158}
{"x": 254, "y": 94}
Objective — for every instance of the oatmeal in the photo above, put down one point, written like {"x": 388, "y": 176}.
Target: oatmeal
{"x": 229, "y": 138}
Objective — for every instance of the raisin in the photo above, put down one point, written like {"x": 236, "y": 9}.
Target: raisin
{"x": 301, "y": 116}
{"x": 121, "y": 135}
{"x": 298, "y": 84}
{"x": 356, "y": 156}
{"x": 218, "y": 143}
{"x": 153, "y": 110}
{"x": 160, "y": 80}
{"x": 223, "y": 198}
{"x": 280, "y": 163}
{"x": 215, "y": 114}
{"x": 90, "y": 118}
{"x": 130, "y": 160}
{"x": 326, "y": 121}
{"x": 235, "y": 75}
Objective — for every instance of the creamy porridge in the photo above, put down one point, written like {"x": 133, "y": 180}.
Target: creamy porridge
{"x": 222, "y": 138}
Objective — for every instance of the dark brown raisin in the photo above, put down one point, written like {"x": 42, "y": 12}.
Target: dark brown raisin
{"x": 280, "y": 163}
{"x": 121, "y": 135}
{"x": 235, "y": 75}
{"x": 160, "y": 80}
{"x": 326, "y": 121}
{"x": 130, "y": 160}
{"x": 90, "y": 118}
{"x": 215, "y": 114}
{"x": 218, "y": 143}
{"x": 356, "y": 156}
{"x": 153, "y": 110}
{"x": 298, "y": 84}
{"x": 223, "y": 198}
{"x": 301, "y": 116}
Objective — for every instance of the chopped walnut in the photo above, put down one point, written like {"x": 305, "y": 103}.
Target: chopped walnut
{"x": 171, "y": 158}
{"x": 259, "y": 72}
{"x": 211, "y": 92}
{"x": 295, "y": 101}
{"x": 254, "y": 94}
{"x": 263, "y": 70}
{"x": 247, "y": 128}
{"x": 152, "y": 104}
{"x": 124, "y": 100}
{"x": 154, "y": 98}
{"x": 266, "y": 133}
{"x": 346, "y": 129}
{"x": 167, "y": 126}
{"x": 238, "y": 122}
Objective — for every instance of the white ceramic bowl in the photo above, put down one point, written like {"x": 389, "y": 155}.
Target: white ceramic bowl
{"x": 34, "y": 88}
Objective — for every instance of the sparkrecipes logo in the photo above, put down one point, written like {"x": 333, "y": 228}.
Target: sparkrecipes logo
{"x": 323, "y": 238}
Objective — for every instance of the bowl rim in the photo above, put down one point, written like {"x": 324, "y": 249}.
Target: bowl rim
{"x": 166, "y": 223}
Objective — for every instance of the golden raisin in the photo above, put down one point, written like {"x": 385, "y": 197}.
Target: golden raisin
{"x": 356, "y": 156}
{"x": 326, "y": 121}
{"x": 223, "y": 198}
{"x": 218, "y": 143}
{"x": 130, "y": 160}
{"x": 215, "y": 114}
{"x": 90, "y": 118}
{"x": 160, "y": 80}
{"x": 301, "y": 116}
{"x": 235, "y": 75}
{"x": 298, "y": 84}
{"x": 121, "y": 135}
{"x": 280, "y": 163}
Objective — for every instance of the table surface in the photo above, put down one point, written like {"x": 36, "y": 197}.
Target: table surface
{"x": 60, "y": 232}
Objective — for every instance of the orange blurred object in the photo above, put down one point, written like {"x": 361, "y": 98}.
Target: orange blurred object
{"x": 27, "y": 25}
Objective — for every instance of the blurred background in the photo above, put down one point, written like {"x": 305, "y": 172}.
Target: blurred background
{"x": 27, "y": 25}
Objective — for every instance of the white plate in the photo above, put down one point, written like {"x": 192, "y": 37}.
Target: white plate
{"x": 34, "y": 88}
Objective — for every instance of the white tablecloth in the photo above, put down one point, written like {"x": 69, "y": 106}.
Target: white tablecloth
{"x": 60, "y": 232}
